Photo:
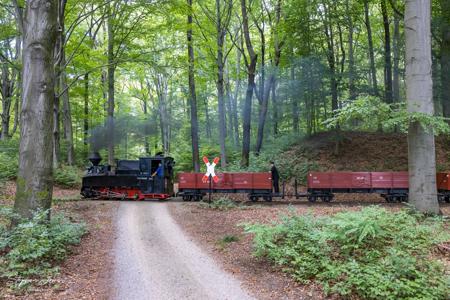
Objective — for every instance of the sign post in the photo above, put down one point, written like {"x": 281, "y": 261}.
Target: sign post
{"x": 210, "y": 174}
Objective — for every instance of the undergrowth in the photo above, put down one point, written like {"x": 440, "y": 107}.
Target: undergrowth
{"x": 225, "y": 241}
{"x": 373, "y": 253}
{"x": 67, "y": 176}
{"x": 33, "y": 248}
{"x": 223, "y": 203}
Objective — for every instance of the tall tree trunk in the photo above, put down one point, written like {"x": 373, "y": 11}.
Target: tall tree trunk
{"x": 6, "y": 88}
{"x": 295, "y": 112}
{"x": 17, "y": 104}
{"x": 387, "y": 54}
{"x": 67, "y": 121}
{"x": 419, "y": 95}
{"x": 192, "y": 93}
{"x": 86, "y": 112}
{"x": 266, "y": 88}
{"x": 373, "y": 70}
{"x": 396, "y": 50}
{"x": 445, "y": 57}
{"x": 351, "y": 59}
{"x": 228, "y": 102}
{"x": 111, "y": 85}
{"x": 251, "y": 68}
{"x": 275, "y": 108}
{"x": 208, "y": 119}
{"x": 220, "y": 88}
{"x": 35, "y": 176}
{"x": 331, "y": 57}
{"x": 234, "y": 100}
{"x": 56, "y": 127}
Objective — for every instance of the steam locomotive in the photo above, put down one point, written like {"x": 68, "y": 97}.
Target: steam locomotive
{"x": 132, "y": 179}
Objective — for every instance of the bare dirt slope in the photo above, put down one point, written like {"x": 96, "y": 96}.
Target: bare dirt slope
{"x": 155, "y": 260}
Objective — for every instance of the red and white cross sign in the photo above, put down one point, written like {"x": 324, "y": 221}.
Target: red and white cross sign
{"x": 210, "y": 170}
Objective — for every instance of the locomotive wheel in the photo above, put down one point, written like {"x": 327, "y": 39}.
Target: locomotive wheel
{"x": 312, "y": 199}
{"x": 198, "y": 198}
{"x": 447, "y": 199}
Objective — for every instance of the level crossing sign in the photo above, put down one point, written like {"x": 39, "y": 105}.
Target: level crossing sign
{"x": 210, "y": 169}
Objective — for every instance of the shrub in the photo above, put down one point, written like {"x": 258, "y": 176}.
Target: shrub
{"x": 33, "y": 246}
{"x": 9, "y": 159}
{"x": 67, "y": 176}
{"x": 8, "y": 167}
{"x": 222, "y": 203}
{"x": 373, "y": 253}
{"x": 225, "y": 241}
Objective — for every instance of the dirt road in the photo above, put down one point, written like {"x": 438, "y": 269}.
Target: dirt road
{"x": 155, "y": 260}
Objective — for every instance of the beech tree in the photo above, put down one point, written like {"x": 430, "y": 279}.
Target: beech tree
{"x": 419, "y": 95}
{"x": 35, "y": 174}
{"x": 192, "y": 93}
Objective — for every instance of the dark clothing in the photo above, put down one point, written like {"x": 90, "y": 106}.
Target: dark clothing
{"x": 275, "y": 174}
{"x": 275, "y": 179}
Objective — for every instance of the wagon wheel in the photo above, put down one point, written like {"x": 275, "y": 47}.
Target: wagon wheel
{"x": 327, "y": 198}
{"x": 268, "y": 198}
{"x": 253, "y": 198}
{"x": 312, "y": 198}
{"x": 389, "y": 198}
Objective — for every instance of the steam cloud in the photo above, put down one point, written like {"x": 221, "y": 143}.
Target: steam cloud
{"x": 120, "y": 128}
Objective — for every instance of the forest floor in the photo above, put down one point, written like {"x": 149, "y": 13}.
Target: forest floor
{"x": 86, "y": 273}
{"x": 211, "y": 228}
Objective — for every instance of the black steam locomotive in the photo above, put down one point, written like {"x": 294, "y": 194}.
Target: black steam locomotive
{"x": 145, "y": 178}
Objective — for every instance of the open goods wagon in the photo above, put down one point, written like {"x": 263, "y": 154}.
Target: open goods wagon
{"x": 393, "y": 186}
{"x": 256, "y": 185}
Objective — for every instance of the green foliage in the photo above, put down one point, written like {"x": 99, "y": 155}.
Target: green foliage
{"x": 68, "y": 176}
{"x": 32, "y": 247}
{"x": 370, "y": 113}
{"x": 372, "y": 253}
{"x": 9, "y": 159}
{"x": 288, "y": 165}
{"x": 223, "y": 203}
{"x": 226, "y": 240}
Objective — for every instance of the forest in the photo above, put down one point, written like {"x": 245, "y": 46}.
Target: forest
{"x": 133, "y": 78}
{"x": 289, "y": 97}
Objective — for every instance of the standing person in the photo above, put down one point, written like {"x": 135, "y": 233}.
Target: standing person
{"x": 159, "y": 173}
{"x": 275, "y": 177}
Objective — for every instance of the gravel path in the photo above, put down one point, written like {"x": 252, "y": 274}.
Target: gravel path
{"x": 155, "y": 260}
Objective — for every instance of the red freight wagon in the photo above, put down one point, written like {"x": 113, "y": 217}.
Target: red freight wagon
{"x": 191, "y": 186}
{"x": 393, "y": 186}
{"x": 443, "y": 186}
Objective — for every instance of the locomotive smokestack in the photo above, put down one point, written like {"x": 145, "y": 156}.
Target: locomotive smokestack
{"x": 95, "y": 158}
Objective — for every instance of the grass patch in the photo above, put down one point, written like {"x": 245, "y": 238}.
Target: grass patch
{"x": 33, "y": 248}
{"x": 223, "y": 203}
{"x": 373, "y": 253}
{"x": 226, "y": 240}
